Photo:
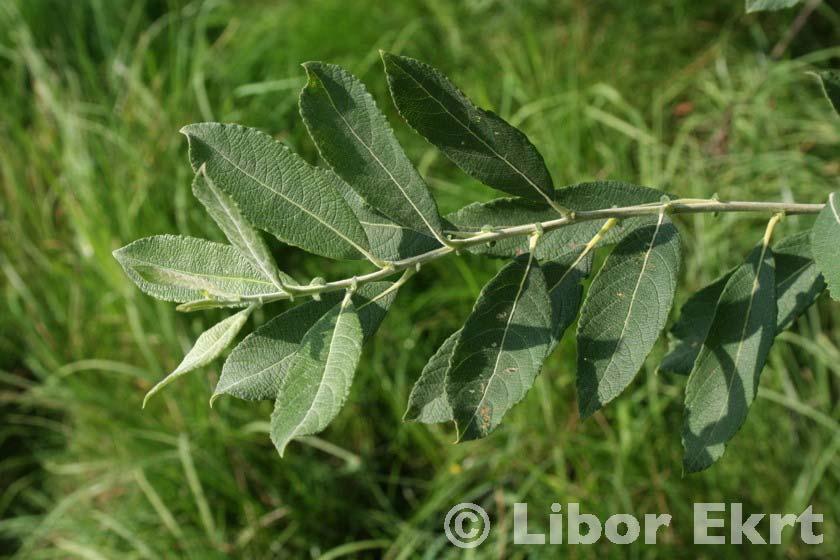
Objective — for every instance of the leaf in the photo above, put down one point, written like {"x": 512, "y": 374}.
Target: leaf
{"x": 427, "y": 402}
{"x": 255, "y": 368}
{"x": 507, "y": 212}
{"x": 182, "y": 269}
{"x": 825, "y": 243}
{"x": 764, "y": 5}
{"x": 830, "y": 80}
{"x": 239, "y": 232}
{"x": 724, "y": 380}
{"x": 388, "y": 241}
{"x": 689, "y": 332}
{"x": 564, "y": 276}
{"x": 354, "y": 137}
{"x": 277, "y": 191}
{"x": 624, "y": 312}
{"x": 319, "y": 377}
{"x": 798, "y": 284}
{"x": 209, "y": 345}
{"x": 501, "y": 348}
{"x": 479, "y": 142}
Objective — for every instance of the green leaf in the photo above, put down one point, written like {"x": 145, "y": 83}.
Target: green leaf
{"x": 724, "y": 380}
{"x": 507, "y": 212}
{"x": 427, "y": 402}
{"x": 825, "y": 243}
{"x": 689, "y": 332}
{"x": 830, "y": 80}
{"x": 764, "y": 5}
{"x": 798, "y": 281}
{"x": 354, "y": 137}
{"x": 182, "y": 269}
{"x": 319, "y": 376}
{"x": 277, "y": 191}
{"x": 388, "y": 241}
{"x": 624, "y": 312}
{"x": 479, "y": 142}
{"x": 564, "y": 276}
{"x": 236, "y": 228}
{"x": 501, "y": 348}
{"x": 255, "y": 368}
{"x": 798, "y": 284}
{"x": 209, "y": 345}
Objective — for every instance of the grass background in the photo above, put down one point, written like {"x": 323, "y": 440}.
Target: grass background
{"x": 681, "y": 95}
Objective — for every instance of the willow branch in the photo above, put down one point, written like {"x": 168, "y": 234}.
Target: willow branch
{"x": 685, "y": 206}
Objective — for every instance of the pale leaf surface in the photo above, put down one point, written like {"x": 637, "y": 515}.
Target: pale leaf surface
{"x": 209, "y": 345}
{"x": 182, "y": 269}
{"x": 276, "y": 190}
{"x": 257, "y": 366}
{"x": 319, "y": 378}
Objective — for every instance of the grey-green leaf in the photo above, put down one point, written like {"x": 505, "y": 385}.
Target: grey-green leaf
{"x": 209, "y": 345}
{"x": 427, "y": 402}
{"x": 319, "y": 377}
{"x": 256, "y": 367}
{"x": 564, "y": 277}
{"x": 388, "y": 241}
{"x": 236, "y": 228}
{"x": 798, "y": 284}
{"x": 183, "y": 269}
{"x": 354, "y": 137}
{"x": 830, "y": 80}
{"x": 825, "y": 243}
{"x": 798, "y": 281}
{"x": 625, "y": 310}
{"x": 506, "y": 212}
{"x": 690, "y": 330}
{"x": 501, "y": 348}
{"x": 724, "y": 380}
{"x": 479, "y": 142}
{"x": 764, "y": 5}
{"x": 277, "y": 191}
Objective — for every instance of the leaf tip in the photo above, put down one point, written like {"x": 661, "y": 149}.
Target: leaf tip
{"x": 410, "y": 414}
{"x": 213, "y": 398}
{"x": 280, "y": 445}
{"x": 386, "y": 56}
{"x": 588, "y": 407}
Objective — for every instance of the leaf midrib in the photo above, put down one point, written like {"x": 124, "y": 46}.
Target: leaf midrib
{"x": 136, "y": 260}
